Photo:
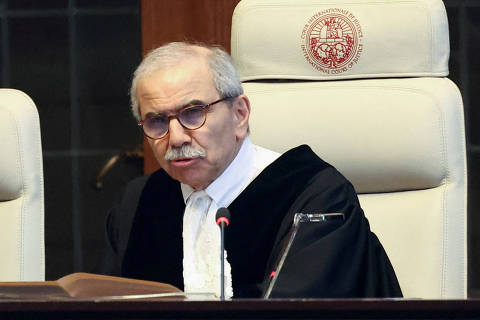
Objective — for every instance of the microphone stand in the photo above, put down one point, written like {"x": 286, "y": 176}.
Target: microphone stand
{"x": 222, "y": 217}
{"x": 222, "y": 262}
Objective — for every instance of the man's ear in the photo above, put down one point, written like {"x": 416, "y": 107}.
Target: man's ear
{"x": 241, "y": 114}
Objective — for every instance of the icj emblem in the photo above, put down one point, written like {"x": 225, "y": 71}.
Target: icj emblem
{"x": 332, "y": 41}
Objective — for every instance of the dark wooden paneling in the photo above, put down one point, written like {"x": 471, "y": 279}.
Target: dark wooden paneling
{"x": 164, "y": 21}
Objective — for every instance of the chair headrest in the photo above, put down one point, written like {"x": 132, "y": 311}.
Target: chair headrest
{"x": 341, "y": 39}
{"x": 21, "y": 160}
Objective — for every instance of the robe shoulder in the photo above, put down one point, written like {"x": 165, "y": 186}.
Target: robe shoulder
{"x": 300, "y": 182}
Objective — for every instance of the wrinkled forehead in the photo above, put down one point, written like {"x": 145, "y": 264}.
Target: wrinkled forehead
{"x": 190, "y": 73}
{"x": 174, "y": 87}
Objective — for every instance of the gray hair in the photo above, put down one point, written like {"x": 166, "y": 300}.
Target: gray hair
{"x": 221, "y": 66}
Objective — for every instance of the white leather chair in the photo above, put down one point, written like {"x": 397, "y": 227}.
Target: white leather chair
{"x": 363, "y": 82}
{"x": 21, "y": 190}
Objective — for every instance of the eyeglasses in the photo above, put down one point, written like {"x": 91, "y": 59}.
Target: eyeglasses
{"x": 191, "y": 117}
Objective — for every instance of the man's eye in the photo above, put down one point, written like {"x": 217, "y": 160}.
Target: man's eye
{"x": 193, "y": 112}
{"x": 157, "y": 120}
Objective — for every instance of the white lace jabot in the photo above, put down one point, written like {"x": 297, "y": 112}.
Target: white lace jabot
{"x": 201, "y": 235}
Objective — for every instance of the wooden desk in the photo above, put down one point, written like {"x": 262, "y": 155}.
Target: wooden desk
{"x": 89, "y": 296}
{"x": 241, "y": 309}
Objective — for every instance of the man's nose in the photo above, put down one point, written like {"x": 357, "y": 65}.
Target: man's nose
{"x": 177, "y": 134}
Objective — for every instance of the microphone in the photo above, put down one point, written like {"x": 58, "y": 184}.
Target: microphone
{"x": 223, "y": 219}
{"x": 223, "y": 216}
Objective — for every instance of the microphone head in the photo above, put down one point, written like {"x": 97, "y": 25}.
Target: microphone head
{"x": 223, "y": 215}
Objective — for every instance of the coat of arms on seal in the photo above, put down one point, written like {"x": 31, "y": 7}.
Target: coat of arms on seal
{"x": 331, "y": 41}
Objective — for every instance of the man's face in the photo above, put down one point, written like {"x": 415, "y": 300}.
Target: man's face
{"x": 169, "y": 90}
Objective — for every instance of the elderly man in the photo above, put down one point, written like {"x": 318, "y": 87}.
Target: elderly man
{"x": 190, "y": 103}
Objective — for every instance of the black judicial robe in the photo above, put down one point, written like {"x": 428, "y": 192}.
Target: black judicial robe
{"x": 144, "y": 234}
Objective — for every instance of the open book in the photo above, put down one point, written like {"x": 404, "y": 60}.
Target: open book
{"x": 89, "y": 286}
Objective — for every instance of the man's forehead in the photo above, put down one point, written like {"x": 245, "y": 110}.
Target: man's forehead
{"x": 170, "y": 96}
{"x": 184, "y": 72}
{"x": 173, "y": 109}
{"x": 190, "y": 68}
{"x": 170, "y": 88}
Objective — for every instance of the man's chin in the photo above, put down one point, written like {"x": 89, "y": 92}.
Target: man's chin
{"x": 188, "y": 175}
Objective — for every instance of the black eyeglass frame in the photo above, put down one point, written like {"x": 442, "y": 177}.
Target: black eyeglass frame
{"x": 204, "y": 108}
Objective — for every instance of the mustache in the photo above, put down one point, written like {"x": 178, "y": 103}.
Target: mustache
{"x": 185, "y": 151}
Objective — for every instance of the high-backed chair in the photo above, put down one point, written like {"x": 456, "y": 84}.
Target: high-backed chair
{"x": 363, "y": 82}
{"x": 21, "y": 190}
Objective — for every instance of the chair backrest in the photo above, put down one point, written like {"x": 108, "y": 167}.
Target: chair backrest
{"x": 363, "y": 83}
{"x": 21, "y": 190}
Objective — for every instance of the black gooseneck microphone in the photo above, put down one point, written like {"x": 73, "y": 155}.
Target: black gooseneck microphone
{"x": 223, "y": 219}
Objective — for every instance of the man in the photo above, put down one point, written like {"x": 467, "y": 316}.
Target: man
{"x": 191, "y": 106}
